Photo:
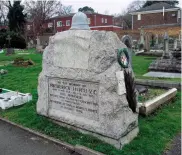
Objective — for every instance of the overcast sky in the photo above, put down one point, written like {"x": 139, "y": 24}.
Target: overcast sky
{"x": 100, "y": 6}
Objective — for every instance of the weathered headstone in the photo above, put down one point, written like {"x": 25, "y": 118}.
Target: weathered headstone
{"x": 147, "y": 42}
{"x": 9, "y": 50}
{"x": 166, "y": 53}
{"x": 39, "y": 47}
{"x": 31, "y": 44}
{"x": 175, "y": 44}
{"x": 156, "y": 39}
{"x": 180, "y": 35}
{"x": 142, "y": 36}
{"x": 82, "y": 85}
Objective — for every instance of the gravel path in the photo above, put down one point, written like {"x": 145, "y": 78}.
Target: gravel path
{"x": 15, "y": 141}
{"x": 175, "y": 146}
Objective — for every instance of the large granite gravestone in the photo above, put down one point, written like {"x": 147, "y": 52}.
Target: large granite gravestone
{"x": 82, "y": 86}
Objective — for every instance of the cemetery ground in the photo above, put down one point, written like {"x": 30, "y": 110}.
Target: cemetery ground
{"x": 156, "y": 131}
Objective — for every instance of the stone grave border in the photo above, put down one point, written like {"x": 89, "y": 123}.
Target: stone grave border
{"x": 149, "y": 106}
{"x": 159, "y": 84}
{"x": 154, "y": 54}
{"x": 25, "y": 97}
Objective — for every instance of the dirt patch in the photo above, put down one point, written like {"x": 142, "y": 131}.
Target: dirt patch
{"x": 20, "y": 62}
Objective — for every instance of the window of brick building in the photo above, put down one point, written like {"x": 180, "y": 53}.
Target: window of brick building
{"x": 88, "y": 20}
{"x": 50, "y": 25}
{"x": 59, "y": 23}
{"x": 106, "y": 20}
{"x": 102, "y": 20}
{"x": 139, "y": 17}
{"x": 67, "y": 22}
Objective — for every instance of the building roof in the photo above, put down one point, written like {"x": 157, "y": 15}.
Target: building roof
{"x": 71, "y": 14}
{"x": 68, "y": 15}
{"x": 156, "y": 6}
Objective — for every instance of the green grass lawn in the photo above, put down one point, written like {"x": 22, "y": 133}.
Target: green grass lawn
{"x": 156, "y": 131}
{"x": 140, "y": 67}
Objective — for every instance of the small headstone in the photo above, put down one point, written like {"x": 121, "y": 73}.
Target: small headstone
{"x": 141, "y": 89}
{"x": 180, "y": 35}
{"x": 175, "y": 44}
{"x": 166, "y": 53}
{"x": 39, "y": 47}
{"x": 142, "y": 36}
{"x": 147, "y": 42}
{"x": 156, "y": 39}
{"x": 10, "y": 51}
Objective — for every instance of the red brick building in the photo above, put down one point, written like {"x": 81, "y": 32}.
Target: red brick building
{"x": 62, "y": 23}
{"x": 3, "y": 27}
{"x": 159, "y": 14}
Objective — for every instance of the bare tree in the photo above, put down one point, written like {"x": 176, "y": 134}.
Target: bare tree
{"x": 125, "y": 14}
{"x": 65, "y": 10}
{"x": 135, "y": 5}
{"x": 39, "y": 11}
{"x": 3, "y": 11}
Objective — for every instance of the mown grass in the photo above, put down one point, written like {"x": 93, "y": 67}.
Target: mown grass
{"x": 156, "y": 131}
{"x": 140, "y": 67}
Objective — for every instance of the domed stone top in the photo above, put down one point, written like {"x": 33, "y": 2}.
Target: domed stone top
{"x": 80, "y": 22}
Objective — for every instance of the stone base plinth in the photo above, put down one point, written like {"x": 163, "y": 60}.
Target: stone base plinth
{"x": 118, "y": 143}
{"x": 166, "y": 65}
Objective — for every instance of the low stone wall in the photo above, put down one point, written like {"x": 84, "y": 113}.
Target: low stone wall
{"x": 156, "y": 54}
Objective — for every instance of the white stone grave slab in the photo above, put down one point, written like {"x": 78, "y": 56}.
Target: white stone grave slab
{"x": 12, "y": 98}
{"x": 163, "y": 74}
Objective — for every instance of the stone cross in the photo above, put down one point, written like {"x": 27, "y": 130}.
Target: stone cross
{"x": 166, "y": 53}
{"x": 141, "y": 36}
{"x": 38, "y": 41}
{"x": 147, "y": 42}
{"x": 175, "y": 44}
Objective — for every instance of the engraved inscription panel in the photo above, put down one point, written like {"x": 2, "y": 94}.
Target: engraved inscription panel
{"x": 76, "y": 97}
